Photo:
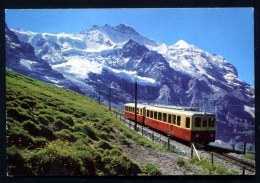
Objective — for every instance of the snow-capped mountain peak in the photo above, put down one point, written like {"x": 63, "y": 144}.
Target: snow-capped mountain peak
{"x": 182, "y": 44}
{"x": 118, "y": 34}
{"x": 162, "y": 49}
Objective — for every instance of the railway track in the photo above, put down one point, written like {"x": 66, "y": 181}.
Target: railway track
{"x": 219, "y": 153}
{"x": 239, "y": 162}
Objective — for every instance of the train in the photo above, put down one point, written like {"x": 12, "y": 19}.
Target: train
{"x": 185, "y": 123}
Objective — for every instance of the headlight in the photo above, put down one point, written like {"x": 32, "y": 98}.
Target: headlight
{"x": 197, "y": 135}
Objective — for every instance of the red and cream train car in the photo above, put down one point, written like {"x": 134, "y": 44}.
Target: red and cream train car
{"x": 180, "y": 122}
{"x": 130, "y": 112}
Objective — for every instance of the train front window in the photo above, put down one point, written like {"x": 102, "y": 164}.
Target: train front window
{"x": 204, "y": 122}
{"x": 211, "y": 122}
{"x": 155, "y": 115}
{"x": 164, "y": 117}
{"x": 169, "y": 118}
{"x": 197, "y": 122}
{"x": 151, "y": 114}
{"x": 178, "y": 120}
{"x": 148, "y": 113}
{"x": 159, "y": 116}
{"x": 187, "y": 122}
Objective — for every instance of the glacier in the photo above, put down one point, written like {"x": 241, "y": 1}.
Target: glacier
{"x": 95, "y": 59}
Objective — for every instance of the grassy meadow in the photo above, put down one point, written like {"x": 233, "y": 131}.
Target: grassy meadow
{"x": 56, "y": 132}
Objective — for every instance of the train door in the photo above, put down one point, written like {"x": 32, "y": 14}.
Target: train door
{"x": 169, "y": 124}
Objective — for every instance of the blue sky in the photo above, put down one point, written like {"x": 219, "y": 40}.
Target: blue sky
{"x": 224, "y": 31}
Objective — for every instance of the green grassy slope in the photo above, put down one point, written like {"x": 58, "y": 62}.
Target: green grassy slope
{"x": 52, "y": 131}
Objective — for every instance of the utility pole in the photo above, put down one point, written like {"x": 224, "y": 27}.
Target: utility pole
{"x": 99, "y": 96}
{"x": 109, "y": 98}
{"x": 135, "y": 105}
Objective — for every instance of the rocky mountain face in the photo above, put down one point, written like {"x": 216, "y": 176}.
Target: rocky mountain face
{"x": 20, "y": 57}
{"x": 106, "y": 56}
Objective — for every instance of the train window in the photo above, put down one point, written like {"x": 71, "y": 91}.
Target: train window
{"x": 211, "y": 122}
{"x": 197, "y": 122}
{"x": 141, "y": 111}
{"x": 178, "y": 120}
{"x": 137, "y": 111}
{"x": 169, "y": 118}
{"x": 174, "y": 119}
{"x": 164, "y": 117}
{"x": 148, "y": 113}
{"x": 204, "y": 122}
{"x": 159, "y": 116}
{"x": 187, "y": 122}
{"x": 151, "y": 114}
{"x": 155, "y": 115}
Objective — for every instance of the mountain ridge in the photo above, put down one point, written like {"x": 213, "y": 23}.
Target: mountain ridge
{"x": 179, "y": 74}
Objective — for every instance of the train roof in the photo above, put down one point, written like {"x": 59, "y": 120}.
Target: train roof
{"x": 133, "y": 105}
{"x": 176, "y": 111}
{"x": 170, "y": 109}
{"x": 184, "y": 108}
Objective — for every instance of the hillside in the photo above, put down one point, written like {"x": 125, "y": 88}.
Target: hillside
{"x": 53, "y": 132}
{"x": 56, "y": 132}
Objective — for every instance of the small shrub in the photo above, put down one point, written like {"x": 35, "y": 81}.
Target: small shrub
{"x": 86, "y": 157}
{"x": 66, "y": 135}
{"x": 125, "y": 142}
{"x": 19, "y": 138}
{"x": 153, "y": 170}
{"x": 30, "y": 102}
{"x": 9, "y": 97}
{"x": 79, "y": 135}
{"x": 18, "y": 115}
{"x": 120, "y": 165}
{"x": 147, "y": 145}
{"x": 16, "y": 163}
{"x": 43, "y": 120}
{"x": 104, "y": 144}
{"x": 82, "y": 143}
{"x": 115, "y": 152}
{"x": 79, "y": 113}
{"x": 103, "y": 135}
{"x": 65, "y": 109}
{"x": 119, "y": 148}
{"x": 59, "y": 125}
{"x": 25, "y": 106}
{"x": 39, "y": 142}
{"x": 31, "y": 128}
{"x": 69, "y": 121}
{"x": 180, "y": 162}
{"x": 46, "y": 132}
{"x": 86, "y": 129}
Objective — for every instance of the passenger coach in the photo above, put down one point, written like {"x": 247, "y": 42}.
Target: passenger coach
{"x": 130, "y": 112}
{"x": 180, "y": 122}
